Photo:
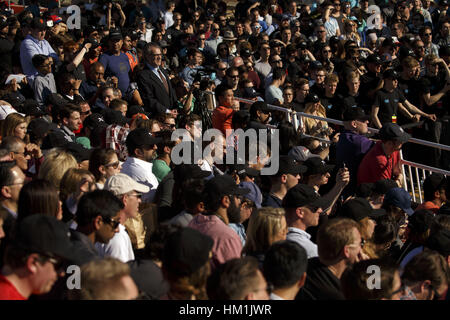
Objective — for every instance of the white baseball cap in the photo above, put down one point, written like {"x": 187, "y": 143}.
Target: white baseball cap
{"x": 122, "y": 183}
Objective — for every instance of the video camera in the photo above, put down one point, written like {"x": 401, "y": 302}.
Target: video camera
{"x": 204, "y": 73}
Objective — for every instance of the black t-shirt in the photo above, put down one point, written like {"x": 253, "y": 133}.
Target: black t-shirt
{"x": 6, "y": 54}
{"x": 330, "y": 105}
{"x": 388, "y": 104}
{"x": 369, "y": 81}
{"x": 411, "y": 90}
{"x": 321, "y": 283}
{"x": 434, "y": 85}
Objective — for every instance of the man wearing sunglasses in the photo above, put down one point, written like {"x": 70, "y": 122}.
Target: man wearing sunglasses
{"x": 98, "y": 218}
{"x": 131, "y": 226}
{"x": 303, "y": 207}
{"x": 35, "y": 259}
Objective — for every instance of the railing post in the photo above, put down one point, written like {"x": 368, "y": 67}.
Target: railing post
{"x": 405, "y": 184}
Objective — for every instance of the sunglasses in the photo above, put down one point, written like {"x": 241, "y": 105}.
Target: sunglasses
{"x": 57, "y": 263}
{"x": 170, "y": 125}
{"x": 115, "y": 165}
{"x": 113, "y": 223}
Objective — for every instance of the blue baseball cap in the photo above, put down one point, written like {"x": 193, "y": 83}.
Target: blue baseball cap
{"x": 254, "y": 195}
{"x": 399, "y": 197}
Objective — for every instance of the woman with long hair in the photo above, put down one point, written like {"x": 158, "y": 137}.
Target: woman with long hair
{"x": 15, "y": 125}
{"x": 266, "y": 226}
{"x": 313, "y": 127}
{"x": 103, "y": 164}
{"x": 39, "y": 197}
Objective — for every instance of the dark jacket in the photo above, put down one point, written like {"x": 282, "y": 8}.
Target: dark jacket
{"x": 153, "y": 93}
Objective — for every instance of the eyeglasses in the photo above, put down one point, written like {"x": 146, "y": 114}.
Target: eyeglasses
{"x": 137, "y": 195}
{"x": 58, "y": 264}
{"x": 16, "y": 183}
{"x": 170, "y": 125}
{"x": 313, "y": 208}
{"x": 113, "y": 223}
{"x": 24, "y": 154}
{"x": 222, "y": 69}
{"x": 276, "y": 61}
{"x": 85, "y": 113}
{"x": 115, "y": 165}
{"x": 234, "y": 76}
{"x": 363, "y": 242}
{"x": 202, "y": 39}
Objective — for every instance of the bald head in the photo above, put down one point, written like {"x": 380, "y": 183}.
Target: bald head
{"x": 237, "y": 61}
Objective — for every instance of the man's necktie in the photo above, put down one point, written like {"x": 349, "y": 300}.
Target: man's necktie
{"x": 164, "y": 81}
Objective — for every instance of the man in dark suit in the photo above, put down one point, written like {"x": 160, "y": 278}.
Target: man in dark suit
{"x": 154, "y": 85}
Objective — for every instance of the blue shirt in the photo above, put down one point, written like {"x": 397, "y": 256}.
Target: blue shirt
{"x": 117, "y": 66}
{"x": 303, "y": 238}
{"x": 272, "y": 201}
{"x": 240, "y": 230}
{"x": 28, "y": 48}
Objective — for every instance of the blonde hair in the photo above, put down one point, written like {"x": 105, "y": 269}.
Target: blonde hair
{"x": 55, "y": 165}
{"x": 100, "y": 280}
{"x": 311, "y": 124}
{"x": 263, "y": 227}
{"x": 11, "y": 122}
{"x": 70, "y": 182}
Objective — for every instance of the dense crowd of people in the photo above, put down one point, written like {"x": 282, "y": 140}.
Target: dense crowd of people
{"x": 95, "y": 120}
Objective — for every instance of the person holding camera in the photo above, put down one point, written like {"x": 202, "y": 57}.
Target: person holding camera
{"x": 195, "y": 60}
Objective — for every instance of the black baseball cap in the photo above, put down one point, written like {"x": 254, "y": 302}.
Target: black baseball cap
{"x": 94, "y": 120}
{"x": 249, "y": 92}
{"x": 38, "y": 23}
{"x": 287, "y": 165}
{"x": 302, "y": 195}
{"x": 186, "y": 250}
{"x": 244, "y": 169}
{"x": 317, "y": 166}
{"x": 392, "y": 131}
{"x": 382, "y": 186}
{"x": 390, "y": 74}
{"x": 115, "y": 35}
{"x": 439, "y": 240}
{"x": 420, "y": 221}
{"x": 183, "y": 172}
{"x": 78, "y": 151}
{"x": 43, "y": 234}
{"x": 31, "y": 108}
{"x": 355, "y": 113}
{"x": 434, "y": 182}
{"x": 141, "y": 137}
{"x": 115, "y": 117}
{"x": 223, "y": 185}
{"x": 312, "y": 97}
{"x": 358, "y": 209}
{"x": 40, "y": 127}
{"x": 374, "y": 58}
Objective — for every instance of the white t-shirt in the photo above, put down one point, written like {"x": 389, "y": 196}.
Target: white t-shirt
{"x": 118, "y": 247}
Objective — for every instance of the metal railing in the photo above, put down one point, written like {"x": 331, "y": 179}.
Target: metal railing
{"x": 413, "y": 173}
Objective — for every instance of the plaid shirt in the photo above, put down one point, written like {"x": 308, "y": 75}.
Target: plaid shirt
{"x": 115, "y": 139}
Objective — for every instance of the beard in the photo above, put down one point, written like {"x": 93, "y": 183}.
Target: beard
{"x": 234, "y": 213}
